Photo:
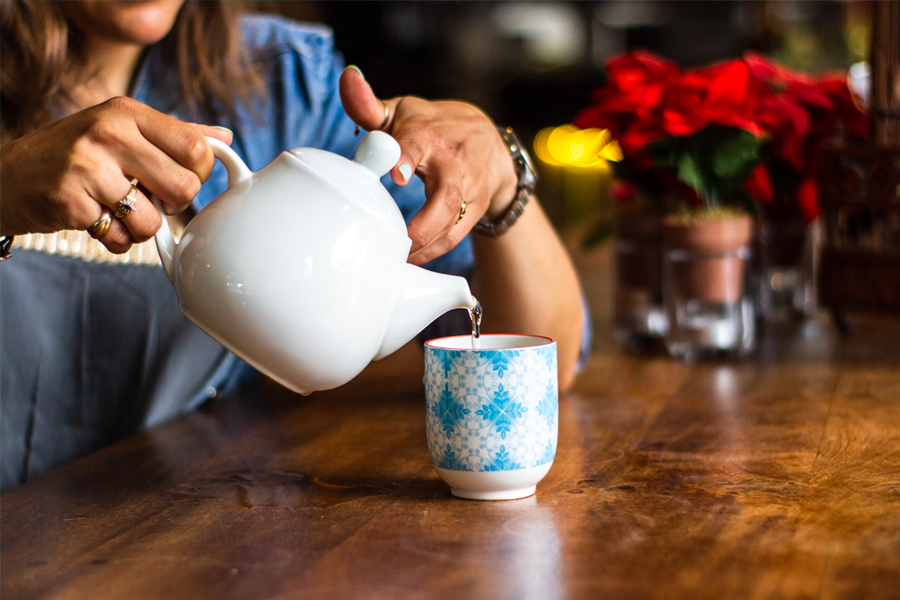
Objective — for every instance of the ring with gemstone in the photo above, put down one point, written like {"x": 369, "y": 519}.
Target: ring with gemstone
{"x": 128, "y": 203}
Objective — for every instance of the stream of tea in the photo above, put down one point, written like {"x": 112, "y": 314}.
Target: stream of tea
{"x": 475, "y": 317}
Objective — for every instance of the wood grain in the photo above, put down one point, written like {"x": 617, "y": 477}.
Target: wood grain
{"x": 776, "y": 477}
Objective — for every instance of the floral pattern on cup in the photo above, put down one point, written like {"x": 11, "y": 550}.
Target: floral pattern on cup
{"x": 491, "y": 410}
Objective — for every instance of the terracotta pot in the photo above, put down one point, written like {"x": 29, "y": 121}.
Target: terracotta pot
{"x": 711, "y": 270}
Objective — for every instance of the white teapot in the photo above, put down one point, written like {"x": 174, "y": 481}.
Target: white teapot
{"x": 300, "y": 269}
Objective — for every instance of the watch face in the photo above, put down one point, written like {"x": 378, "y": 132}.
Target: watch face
{"x": 528, "y": 161}
{"x": 528, "y": 179}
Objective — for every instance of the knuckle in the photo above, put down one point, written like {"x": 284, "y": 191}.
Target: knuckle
{"x": 185, "y": 187}
{"x": 103, "y": 130}
{"x": 66, "y": 213}
{"x": 120, "y": 104}
{"x": 58, "y": 201}
{"x": 82, "y": 147}
{"x": 146, "y": 229}
{"x": 194, "y": 149}
{"x": 116, "y": 242}
{"x": 419, "y": 237}
{"x": 452, "y": 196}
{"x": 83, "y": 167}
{"x": 455, "y": 236}
{"x": 412, "y": 146}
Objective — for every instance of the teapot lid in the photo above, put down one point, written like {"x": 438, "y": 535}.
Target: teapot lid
{"x": 359, "y": 179}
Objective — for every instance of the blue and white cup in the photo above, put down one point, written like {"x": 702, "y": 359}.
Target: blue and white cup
{"x": 492, "y": 413}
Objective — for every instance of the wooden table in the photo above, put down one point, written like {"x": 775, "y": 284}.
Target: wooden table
{"x": 778, "y": 477}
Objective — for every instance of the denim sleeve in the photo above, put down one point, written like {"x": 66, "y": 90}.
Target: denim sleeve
{"x": 301, "y": 69}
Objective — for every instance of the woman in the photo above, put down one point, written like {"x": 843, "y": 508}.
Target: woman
{"x": 96, "y": 95}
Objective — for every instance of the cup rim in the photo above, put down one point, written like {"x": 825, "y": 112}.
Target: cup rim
{"x": 546, "y": 341}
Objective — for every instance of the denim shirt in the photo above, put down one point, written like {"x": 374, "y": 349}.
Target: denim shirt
{"x": 300, "y": 69}
{"x": 302, "y": 108}
{"x": 94, "y": 352}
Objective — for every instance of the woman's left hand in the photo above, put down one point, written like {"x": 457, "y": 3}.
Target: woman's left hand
{"x": 456, "y": 150}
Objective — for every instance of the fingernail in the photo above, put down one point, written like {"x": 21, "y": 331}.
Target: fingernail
{"x": 358, "y": 70}
{"x": 406, "y": 171}
{"x": 220, "y": 128}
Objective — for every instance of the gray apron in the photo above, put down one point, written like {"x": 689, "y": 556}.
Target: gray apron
{"x": 91, "y": 353}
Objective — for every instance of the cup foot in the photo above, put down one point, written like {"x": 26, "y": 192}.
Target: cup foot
{"x": 504, "y": 495}
{"x": 493, "y": 485}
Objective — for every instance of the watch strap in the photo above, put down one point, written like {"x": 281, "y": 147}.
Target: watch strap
{"x": 508, "y": 219}
{"x": 527, "y": 179}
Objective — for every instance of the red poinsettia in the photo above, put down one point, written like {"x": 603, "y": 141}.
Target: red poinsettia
{"x": 630, "y": 105}
{"x": 724, "y": 130}
{"x": 801, "y": 114}
{"x": 702, "y": 126}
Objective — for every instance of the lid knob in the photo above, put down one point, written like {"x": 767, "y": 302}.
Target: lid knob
{"x": 378, "y": 152}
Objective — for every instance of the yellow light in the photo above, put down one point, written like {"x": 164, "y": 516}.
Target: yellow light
{"x": 541, "y": 147}
{"x": 612, "y": 152}
{"x": 559, "y": 144}
{"x": 570, "y": 146}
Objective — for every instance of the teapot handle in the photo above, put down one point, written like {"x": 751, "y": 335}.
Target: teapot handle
{"x": 165, "y": 242}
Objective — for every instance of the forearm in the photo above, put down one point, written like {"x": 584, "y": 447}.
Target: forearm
{"x": 526, "y": 283}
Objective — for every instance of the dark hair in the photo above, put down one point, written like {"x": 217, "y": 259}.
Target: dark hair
{"x": 41, "y": 61}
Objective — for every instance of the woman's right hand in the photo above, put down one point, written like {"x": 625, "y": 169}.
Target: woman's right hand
{"x": 60, "y": 177}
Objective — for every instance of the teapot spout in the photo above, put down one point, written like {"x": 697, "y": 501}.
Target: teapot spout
{"x": 424, "y": 296}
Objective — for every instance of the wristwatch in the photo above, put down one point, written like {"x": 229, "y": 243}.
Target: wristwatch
{"x": 527, "y": 177}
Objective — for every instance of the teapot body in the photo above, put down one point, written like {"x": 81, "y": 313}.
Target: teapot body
{"x": 291, "y": 276}
{"x": 300, "y": 269}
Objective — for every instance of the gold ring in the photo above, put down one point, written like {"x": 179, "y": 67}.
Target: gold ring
{"x": 387, "y": 116}
{"x": 462, "y": 212}
{"x": 101, "y": 226}
{"x": 128, "y": 203}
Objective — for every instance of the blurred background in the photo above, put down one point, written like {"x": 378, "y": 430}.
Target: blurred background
{"x": 533, "y": 65}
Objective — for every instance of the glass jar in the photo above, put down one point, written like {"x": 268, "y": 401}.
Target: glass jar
{"x": 639, "y": 318}
{"x": 788, "y": 269}
{"x": 707, "y": 290}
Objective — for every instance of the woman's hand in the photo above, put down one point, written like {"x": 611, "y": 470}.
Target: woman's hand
{"x": 456, "y": 150}
{"x": 61, "y": 176}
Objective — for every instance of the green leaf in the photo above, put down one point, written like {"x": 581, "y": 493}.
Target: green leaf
{"x": 689, "y": 173}
{"x": 665, "y": 151}
{"x": 734, "y": 155}
{"x": 599, "y": 234}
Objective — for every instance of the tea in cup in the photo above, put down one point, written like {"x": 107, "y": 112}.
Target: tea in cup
{"x": 492, "y": 413}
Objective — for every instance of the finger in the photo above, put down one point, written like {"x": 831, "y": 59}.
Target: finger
{"x": 442, "y": 245}
{"x": 451, "y": 236}
{"x": 174, "y": 184}
{"x": 182, "y": 142}
{"x": 110, "y": 186}
{"x": 117, "y": 239}
{"x": 360, "y": 102}
{"x": 441, "y": 210}
{"x": 143, "y": 221}
{"x": 223, "y": 134}
{"x": 414, "y": 146}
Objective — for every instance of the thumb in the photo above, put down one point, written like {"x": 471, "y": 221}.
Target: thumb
{"x": 359, "y": 101}
{"x": 220, "y": 133}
